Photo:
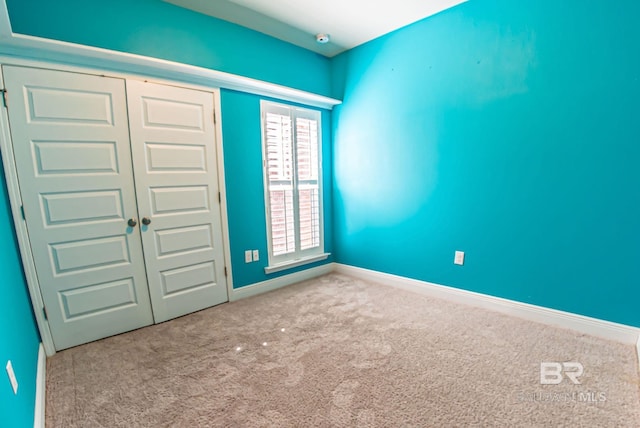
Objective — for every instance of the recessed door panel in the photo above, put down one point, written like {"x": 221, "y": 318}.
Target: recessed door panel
{"x": 174, "y": 149}
{"x": 78, "y": 207}
{"x": 69, "y": 106}
{"x": 89, "y": 254}
{"x": 179, "y": 200}
{"x": 164, "y": 113}
{"x": 187, "y": 278}
{"x": 71, "y": 144}
{"x": 93, "y": 299}
{"x": 164, "y": 158}
{"x": 184, "y": 239}
{"x": 75, "y": 157}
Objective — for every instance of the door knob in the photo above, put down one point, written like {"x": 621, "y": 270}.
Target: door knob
{"x": 132, "y": 222}
{"x": 146, "y": 221}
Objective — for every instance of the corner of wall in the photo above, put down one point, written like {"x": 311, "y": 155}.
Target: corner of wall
{"x": 579, "y": 323}
{"x": 279, "y": 282}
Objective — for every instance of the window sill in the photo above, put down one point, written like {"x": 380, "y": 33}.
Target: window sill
{"x": 295, "y": 263}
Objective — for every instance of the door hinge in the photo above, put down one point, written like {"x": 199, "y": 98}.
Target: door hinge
{"x": 5, "y": 98}
{"x": 44, "y": 312}
{"x": 225, "y": 272}
{"x": 219, "y": 198}
{"x": 22, "y": 212}
{"x": 214, "y": 117}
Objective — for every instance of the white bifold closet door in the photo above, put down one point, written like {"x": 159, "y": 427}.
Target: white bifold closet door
{"x": 90, "y": 173}
{"x": 172, "y": 142}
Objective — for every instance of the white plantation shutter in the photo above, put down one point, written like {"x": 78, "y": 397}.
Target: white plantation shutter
{"x": 279, "y": 150}
{"x": 291, "y": 147}
{"x": 308, "y": 198}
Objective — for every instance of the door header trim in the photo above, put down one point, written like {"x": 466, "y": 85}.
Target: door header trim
{"x": 39, "y": 48}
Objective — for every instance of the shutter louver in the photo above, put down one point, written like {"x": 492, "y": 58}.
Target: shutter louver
{"x": 279, "y": 166}
{"x": 291, "y": 139}
{"x": 307, "y": 163}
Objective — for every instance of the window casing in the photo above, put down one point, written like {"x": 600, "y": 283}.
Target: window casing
{"x": 291, "y": 147}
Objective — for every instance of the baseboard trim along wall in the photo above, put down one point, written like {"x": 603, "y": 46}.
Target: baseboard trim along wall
{"x": 592, "y": 326}
{"x": 282, "y": 281}
{"x": 638, "y": 353}
{"x": 41, "y": 388}
{"x": 579, "y": 323}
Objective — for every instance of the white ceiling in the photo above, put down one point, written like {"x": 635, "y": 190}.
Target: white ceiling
{"x": 349, "y": 22}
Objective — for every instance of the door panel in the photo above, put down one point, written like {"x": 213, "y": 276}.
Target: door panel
{"x": 188, "y": 277}
{"x": 183, "y": 239}
{"x": 61, "y": 208}
{"x": 79, "y": 158}
{"x": 71, "y": 144}
{"x": 172, "y": 200}
{"x": 70, "y": 106}
{"x": 173, "y": 114}
{"x": 88, "y": 254}
{"x": 89, "y": 300}
{"x": 174, "y": 155}
{"x": 177, "y": 158}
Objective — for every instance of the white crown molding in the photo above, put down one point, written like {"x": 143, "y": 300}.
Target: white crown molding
{"x": 41, "y": 49}
{"x": 579, "y": 323}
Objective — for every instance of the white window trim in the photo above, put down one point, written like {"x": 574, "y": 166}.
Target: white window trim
{"x": 295, "y": 263}
{"x": 299, "y": 258}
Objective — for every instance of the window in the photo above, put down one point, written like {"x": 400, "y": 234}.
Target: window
{"x": 293, "y": 192}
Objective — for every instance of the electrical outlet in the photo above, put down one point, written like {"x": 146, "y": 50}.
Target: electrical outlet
{"x": 256, "y": 255}
{"x": 247, "y": 256}
{"x": 459, "y": 258}
{"x": 12, "y": 377}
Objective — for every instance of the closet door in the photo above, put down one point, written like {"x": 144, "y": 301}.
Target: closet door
{"x": 71, "y": 142}
{"x": 174, "y": 155}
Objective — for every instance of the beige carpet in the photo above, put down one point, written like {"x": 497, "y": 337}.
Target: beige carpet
{"x": 340, "y": 352}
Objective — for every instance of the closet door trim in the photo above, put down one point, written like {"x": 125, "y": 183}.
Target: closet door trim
{"x": 11, "y": 176}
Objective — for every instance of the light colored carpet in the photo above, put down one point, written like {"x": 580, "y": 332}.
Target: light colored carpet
{"x": 340, "y": 352}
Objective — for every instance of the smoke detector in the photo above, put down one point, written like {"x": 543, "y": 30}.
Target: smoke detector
{"x": 322, "y": 38}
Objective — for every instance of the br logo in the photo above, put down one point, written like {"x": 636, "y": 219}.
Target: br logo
{"x": 551, "y": 372}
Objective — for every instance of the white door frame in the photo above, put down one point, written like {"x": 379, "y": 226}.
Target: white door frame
{"x": 6, "y": 146}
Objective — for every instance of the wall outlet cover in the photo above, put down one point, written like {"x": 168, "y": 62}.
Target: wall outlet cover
{"x": 256, "y": 255}
{"x": 459, "y": 258}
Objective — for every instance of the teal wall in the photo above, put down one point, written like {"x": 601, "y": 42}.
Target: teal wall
{"x": 161, "y": 30}
{"x": 508, "y": 130}
{"x": 157, "y": 29}
{"x": 19, "y": 338}
{"x": 245, "y": 189}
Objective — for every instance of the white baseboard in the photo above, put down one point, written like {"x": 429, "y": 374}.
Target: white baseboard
{"x": 638, "y": 353}
{"x": 582, "y": 324}
{"x": 282, "y": 281}
{"x": 41, "y": 389}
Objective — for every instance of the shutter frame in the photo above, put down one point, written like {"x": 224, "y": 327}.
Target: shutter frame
{"x": 294, "y": 198}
